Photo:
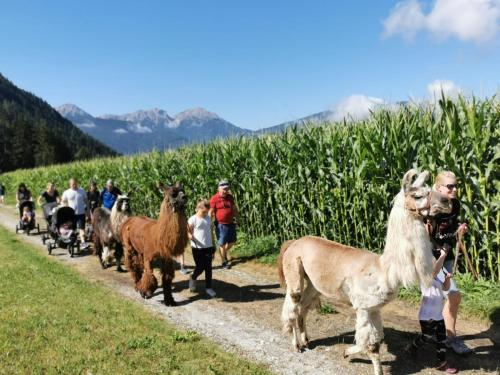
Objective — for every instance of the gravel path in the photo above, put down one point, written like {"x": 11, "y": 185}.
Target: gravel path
{"x": 244, "y": 319}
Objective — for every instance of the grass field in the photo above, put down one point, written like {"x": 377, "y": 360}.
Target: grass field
{"x": 52, "y": 321}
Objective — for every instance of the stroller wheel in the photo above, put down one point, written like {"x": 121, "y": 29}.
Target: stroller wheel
{"x": 38, "y": 228}
{"x": 49, "y": 247}
{"x": 43, "y": 239}
{"x": 27, "y": 232}
{"x": 71, "y": 250}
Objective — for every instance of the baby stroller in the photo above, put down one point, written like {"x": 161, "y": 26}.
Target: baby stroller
{"x": 63, "y": 231}
{"x": 48, "y": 210}
{"x": 29, "y": 225}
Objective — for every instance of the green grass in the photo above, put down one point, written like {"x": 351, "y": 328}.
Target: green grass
{"x": 52, "y": 321}
{"x": 327, "y": 309}
{"x": 480, "y": 299}
{"x": 262, "y": 249}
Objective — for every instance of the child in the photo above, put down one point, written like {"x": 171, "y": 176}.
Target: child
{"x": 66, "y": 229}
{"x": 200, "y": 234}
{"x": 27, "y": 215}
{"x": 430, "y": 315}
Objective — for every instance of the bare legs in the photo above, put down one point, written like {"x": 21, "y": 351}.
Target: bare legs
{"x": 450, "y": 313}
{"x": 224, "y": 251}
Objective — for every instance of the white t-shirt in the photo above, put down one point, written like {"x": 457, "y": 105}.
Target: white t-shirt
{"x": 202, "y": 231}
{"x": 433, "y": 299}
{"x": 76, "y": 200}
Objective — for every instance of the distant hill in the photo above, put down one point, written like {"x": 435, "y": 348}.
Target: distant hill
{"x": 155, "y": 128}
{"x": 32, "y": 133}
{"x": 319, "y": 117}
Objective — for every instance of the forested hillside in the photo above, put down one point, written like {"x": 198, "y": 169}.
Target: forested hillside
{"x": 32, "y": 133}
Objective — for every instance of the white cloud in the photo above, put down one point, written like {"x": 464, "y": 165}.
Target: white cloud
{"x": 87, "y": 125}
{"x": 467, "y": 20}
{"x": 120, "y": 131}
{"x": 448, "y": 88}
{"x": 138, "y": 128}
{"x": 356, "y": 107}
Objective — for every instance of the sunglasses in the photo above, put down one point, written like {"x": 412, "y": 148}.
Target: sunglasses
{"x": 450, "y": 186}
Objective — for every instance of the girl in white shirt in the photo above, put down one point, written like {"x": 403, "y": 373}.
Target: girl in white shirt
{"x": 431, "y": 317}
{"x": 200, "y": 234}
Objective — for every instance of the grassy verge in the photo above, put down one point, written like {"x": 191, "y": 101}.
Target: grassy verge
{"x": 480, "y": 299}
{"x": 52, "y": 321}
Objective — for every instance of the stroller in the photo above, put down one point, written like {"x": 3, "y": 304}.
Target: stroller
{"x": 63, "y": 231}
{"x": 48, "y": 210}
{"x": 30, "y": 225}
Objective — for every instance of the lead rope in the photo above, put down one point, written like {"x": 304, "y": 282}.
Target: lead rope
{"x": 460, "y": 247}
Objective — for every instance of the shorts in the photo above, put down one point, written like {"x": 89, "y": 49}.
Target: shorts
{"x": 448, "y": 266}
{"x": 225, "y": 233}
{"x": 80, "y": 221}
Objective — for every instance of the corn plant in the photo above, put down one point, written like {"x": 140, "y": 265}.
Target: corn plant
{"x": 336, "y": 180}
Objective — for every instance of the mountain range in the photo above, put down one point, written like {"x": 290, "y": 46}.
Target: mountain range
{"x": 144, "y": 130}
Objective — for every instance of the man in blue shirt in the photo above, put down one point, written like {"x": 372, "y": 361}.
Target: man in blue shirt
{"x": 109, "y": 195}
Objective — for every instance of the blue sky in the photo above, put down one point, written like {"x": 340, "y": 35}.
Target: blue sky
{"x": 255, "y": 63}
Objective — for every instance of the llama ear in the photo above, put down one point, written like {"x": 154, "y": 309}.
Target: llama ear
{"x": 421, "y": 179}
{"x": 407, "y": 179}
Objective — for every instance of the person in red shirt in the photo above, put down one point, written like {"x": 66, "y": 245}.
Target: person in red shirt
{"x": 223, "y": 208}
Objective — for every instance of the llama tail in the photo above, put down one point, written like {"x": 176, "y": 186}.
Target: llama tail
{"x": 281, "y": 273}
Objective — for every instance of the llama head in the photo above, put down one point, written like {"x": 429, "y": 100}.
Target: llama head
{"x": 174, "y": 196}
{"x": 123, "y": 203}
{"x": 419, "y": 198}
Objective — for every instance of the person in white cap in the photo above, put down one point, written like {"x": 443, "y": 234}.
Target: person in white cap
{"x": 223, "y": 208}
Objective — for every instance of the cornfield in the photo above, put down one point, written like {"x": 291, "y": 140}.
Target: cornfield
{"x": 335, "y": 180}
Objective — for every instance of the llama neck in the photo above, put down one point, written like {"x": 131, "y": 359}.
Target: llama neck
{"x": 117, "y": 219}
{"x": 407, "y": 257}
{"x": 172, "y": 235}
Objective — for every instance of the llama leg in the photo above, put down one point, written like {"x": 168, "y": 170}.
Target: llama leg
{"x": 148, "y": 282}
{"x": 310, "y": 299}
{"x": 98, "y": 249}
{"x": 168, "y": 272}
{"x": 362, "y": 333}
{"x": 377, "y": 335}
{"x": 369, "y": 333}
{"x": 119, "y": 256}
{"x": 105, "y": 257}
{"x": 290, "y": 314}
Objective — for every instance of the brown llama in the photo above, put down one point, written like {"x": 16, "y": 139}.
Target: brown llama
{"x": 160, "y": 241}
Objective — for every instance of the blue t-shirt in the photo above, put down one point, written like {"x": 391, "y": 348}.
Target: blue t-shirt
{"x": 108, "y": 198}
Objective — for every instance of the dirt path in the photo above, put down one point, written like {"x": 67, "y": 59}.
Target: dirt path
{"x": 244, "y": 319}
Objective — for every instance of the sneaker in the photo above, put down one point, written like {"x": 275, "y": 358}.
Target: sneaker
{"x": 84, "y": 245}
{"x": 184, "y": 271}
{"x": 458, "y": 345}
{"x": 445, "y": 368}
{"x": 192, "y": 285}
{"x": 226, "y": 265}
{"x": 211, "y": 292}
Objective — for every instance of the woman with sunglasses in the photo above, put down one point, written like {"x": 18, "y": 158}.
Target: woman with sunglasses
{"x": 446, "y": 227}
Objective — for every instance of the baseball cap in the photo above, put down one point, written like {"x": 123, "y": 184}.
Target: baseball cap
{"x": 109, "y": 182}
{"x": 223, "y": 183}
